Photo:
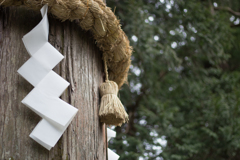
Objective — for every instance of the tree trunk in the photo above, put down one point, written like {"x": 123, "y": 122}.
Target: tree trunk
{"x": 85, "y": 138}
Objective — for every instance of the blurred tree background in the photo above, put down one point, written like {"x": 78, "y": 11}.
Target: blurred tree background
{"x": 183, "y": 96}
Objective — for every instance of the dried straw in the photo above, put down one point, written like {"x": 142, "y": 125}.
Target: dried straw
{"x": 111, "y": 110}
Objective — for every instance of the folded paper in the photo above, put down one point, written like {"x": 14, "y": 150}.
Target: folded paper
{"x": 111, "y": 155}
{"x": 40, "y": 64}
{"x": 53, "y": 84}
{"x": 110, "y": 134}
{"x": 50, "y": 108}
{"x": 38, "y": 36}
{"x": 46, "y": 134}
{"x": 48, "y": 86}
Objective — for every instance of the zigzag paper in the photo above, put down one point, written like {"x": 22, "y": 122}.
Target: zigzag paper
{"x": 48, "y": 86}
{"x": 111, "y": 155}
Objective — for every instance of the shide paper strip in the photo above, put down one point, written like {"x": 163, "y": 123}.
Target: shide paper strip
{"x": 111, "y": 155}
{"x": 40, "y": 64}
{"x": 53, "y": 84}
{"x": 50, "y": 108}
{"x": 46, "y": 134}
{"x": 110, "y": 134}
{"x": 44, "y": 101}
{"x": 38, "y": 36}
{"x": 48, "y": 86}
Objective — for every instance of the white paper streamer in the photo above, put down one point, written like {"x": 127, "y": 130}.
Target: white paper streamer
{"x": 111, "y": 155}
{"x": 48, "y": 86}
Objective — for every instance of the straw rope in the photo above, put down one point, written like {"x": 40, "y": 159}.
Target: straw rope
{"x": 95, "y": 16}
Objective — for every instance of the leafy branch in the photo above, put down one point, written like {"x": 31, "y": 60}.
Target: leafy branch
{"x": 228, "y": 9}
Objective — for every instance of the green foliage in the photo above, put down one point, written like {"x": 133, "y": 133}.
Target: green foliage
{"x": 184, "y": 85}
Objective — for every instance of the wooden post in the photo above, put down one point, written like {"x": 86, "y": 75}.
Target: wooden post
{"x": 82, "y": 66}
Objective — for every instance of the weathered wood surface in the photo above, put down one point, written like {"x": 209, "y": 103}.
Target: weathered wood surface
{"x": 82, "y": 66}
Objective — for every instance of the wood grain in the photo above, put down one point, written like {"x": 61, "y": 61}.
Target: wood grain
{"x": 82, "y": 66}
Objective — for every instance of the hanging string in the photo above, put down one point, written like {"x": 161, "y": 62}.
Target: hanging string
{"x": 105, "y": 67}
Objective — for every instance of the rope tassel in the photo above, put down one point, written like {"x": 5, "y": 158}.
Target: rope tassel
{"x": 111, "y": 110}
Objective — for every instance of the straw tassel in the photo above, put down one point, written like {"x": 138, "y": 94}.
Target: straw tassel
{"x": 111, "y": 110}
